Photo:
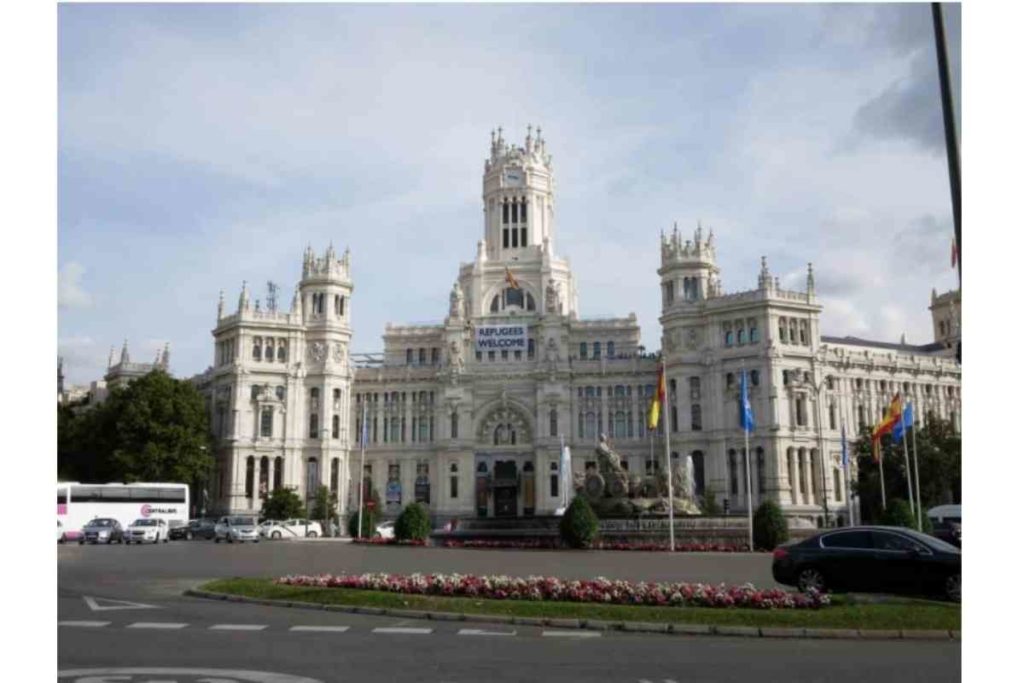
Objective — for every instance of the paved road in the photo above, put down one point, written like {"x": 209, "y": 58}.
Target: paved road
{"x": 171, "y": 631}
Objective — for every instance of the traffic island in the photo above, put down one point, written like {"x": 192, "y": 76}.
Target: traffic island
{"x": 899, "y": 618}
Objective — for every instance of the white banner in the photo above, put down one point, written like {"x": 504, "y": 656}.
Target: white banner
{"x": 510, "y": 337}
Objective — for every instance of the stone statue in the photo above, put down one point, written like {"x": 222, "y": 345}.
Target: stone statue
{"x": 553, "y": 300}
{"x": 454, "y": 359}
{"x": 551, "y": 350}
{"x": 456, "y": 302}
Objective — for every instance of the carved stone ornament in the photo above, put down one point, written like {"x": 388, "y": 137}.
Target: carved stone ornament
{"x": 317, "y": 352}
{"x": 692, "y": 339}
{"x": 339, "y": 353}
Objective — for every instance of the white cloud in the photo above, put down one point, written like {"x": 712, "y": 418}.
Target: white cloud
{"x": 70, "y": 293}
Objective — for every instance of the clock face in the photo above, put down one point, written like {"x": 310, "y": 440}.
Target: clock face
{"x": 514, "y": 177}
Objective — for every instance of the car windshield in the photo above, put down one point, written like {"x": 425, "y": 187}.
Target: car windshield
{"x": 931, "y": 541}
{"x": 102, "y": 522}
{"x": 145, "y": 522}
{"x": 241, "y": 521}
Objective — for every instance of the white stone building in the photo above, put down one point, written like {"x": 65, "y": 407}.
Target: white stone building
{"x": 476, "y": 433}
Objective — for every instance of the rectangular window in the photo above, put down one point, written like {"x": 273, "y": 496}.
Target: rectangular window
{"x": 695, "y": 388}
{"x": 504, "y": 215}
{"x": 515, "y": 216}
{"x": 583, "y": 350}
{"x": 530, "y": 349}
{"x": 611, "y": 349}
{"x": 504, "y": 354}
{"x": 490, "y": 355}
{"x": 597, "y": 350}
{"x": 267, "y": 422}
{"x": 515, "y": 237}
{"x": 669, "y": 292}
{"x": 504, "y": 238}
{"x": 434, "y": 355}
{"x": 696, "y": 423}
{"x": 423, "y": 356}
{"x": 453, "y": 486}
{"x": 754, "y": 335}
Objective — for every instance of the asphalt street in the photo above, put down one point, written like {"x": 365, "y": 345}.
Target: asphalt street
{"x": 165, "y": 636}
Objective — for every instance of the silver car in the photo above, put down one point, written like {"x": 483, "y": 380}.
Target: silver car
{"x": 240, "y": 529}
{"x": 102, "y": 530}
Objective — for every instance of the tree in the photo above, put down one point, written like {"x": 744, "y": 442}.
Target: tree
{"x": 770, "y": 529}
{"x": 155, "y": 429}
{"x": 578, "y": 526}
{"x": 369, "y": 523}
{"x": 325, "y": 507}
{"x": 897, "y": 513}
{"x": 938, "y": 459}
{"x": 283, "y": 504}
{"x": 413, "y": 524}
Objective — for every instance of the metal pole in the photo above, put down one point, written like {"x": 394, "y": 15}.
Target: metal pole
{"x": 821, "y": 452}
{"x": 917, "y": 480}
{"x": 362, "y": 476}
{"x": 949, "y": 123}
{"x": 668, "y": 459}
{"x": 906, "y": 464}
{"x": 881, "y": 471}
{"x": 750, "y": 496}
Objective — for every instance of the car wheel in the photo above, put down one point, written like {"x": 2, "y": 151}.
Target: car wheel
{"x": 81, "y": 543}
{"x": 951, "y": 588}
{"x": 276, "y": 534}
{"x": 811, "y": 578}
{"x": 188, "y": 535}
{"x": 230, "y": 540}
{"x": 311, "y": 534}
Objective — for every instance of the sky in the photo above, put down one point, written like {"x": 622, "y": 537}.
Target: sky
{"x": 203, "y": 145}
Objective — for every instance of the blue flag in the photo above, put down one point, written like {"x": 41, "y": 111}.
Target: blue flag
{"x": 906, "y": 421}
{"x": 746, "y": 412}
{"x": 842, "y": 440}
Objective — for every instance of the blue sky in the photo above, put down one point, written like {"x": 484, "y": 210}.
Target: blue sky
{"x": 200, "y": 146}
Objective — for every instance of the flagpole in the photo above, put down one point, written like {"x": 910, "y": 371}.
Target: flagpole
{"x": 362, "y": 471}
{"x": 906, "y": 463}
{"x": 846, "y": 470}
{"x": 917, "y": 481}
{"x": 750, "y": 497}
{"x": 668, "y": 459}
{"x": 881, "y": 470}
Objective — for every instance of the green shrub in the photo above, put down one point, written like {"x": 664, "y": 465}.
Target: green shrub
{"x": 770, "y": 529}
{"x": 283, "y": 504}
{"x": 369, "y": 523}
{"x": 413, "y": 523}
{"x": 579, "y": 524}
{"x": 898, "y": 513}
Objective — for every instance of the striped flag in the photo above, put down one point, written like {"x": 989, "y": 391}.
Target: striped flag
{"x": 659, "y": 398}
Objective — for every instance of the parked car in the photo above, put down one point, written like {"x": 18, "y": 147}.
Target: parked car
{"x": 177, "y": 530}
{"x": 147, "y": 530}
{"x": 290, "y": 528}
{"x": 385, "y": 530}
{"x": 236, "y": 528}
{"x": 946, "y": 523}
{"x": 874, "y": 559}
{"x": 199, "y": 528}
{"x": 102, "y": 530}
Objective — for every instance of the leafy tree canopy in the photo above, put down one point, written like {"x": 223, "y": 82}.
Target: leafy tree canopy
{"x": 283, "y": 504}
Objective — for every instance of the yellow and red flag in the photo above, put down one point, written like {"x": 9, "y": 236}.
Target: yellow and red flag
{"x": 892, "y": 417}
{"x": 656, "y": 401}
{"x": 511, "y": 279}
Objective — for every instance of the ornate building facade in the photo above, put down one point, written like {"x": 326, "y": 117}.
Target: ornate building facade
{"x": 472, "y": 430}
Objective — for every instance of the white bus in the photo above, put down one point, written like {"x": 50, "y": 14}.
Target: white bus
{"x": 78, "y": 503}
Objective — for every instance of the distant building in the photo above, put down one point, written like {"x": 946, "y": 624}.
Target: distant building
{"x": 120, "y": 373}
{"x": 475, "y": 430}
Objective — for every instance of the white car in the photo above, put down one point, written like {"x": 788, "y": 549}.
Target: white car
{"x": 236, "y": 528}
{"x": 146, "y": 530}
{"x": 290, "y": 528}
{"x": 385, "y": 530}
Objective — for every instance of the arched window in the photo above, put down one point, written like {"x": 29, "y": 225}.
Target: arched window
{"x": 314, "y": 426}
{"x": 831, "y": 415}
{"x": 803, "y": 332}
{"x": 591, "y": 426}
{"x": 282, "y": 351}
{"x": 620, "y": 425}
{"x": 792, "y": 331}
{"x": 334, "y": 476}
{"x": 250, "y": 473}
{"x": 268, "y": 352}
{"x": 531, "y": 305}
{"x": 335, "y": 427}
{"x": 453, "y": 480}
{"x": 257, "y": 348}
{"x": 553, "y": 422}
{"x": 455, "y": 425}
{"x": 698, "y": 472}
{"x": 278, "y": 472}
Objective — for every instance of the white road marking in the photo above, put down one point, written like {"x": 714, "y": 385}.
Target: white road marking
{"x": 162, "y": 673}
{"x": 572, "y": 634}
{"x": 481, "y": 632}
{"x": 95, "y": 606}
{"x": 84, "y": 624}
{"x": 403, "y": 630}
{"x": 238, "y": 627}
{"x": 156, "y": 625}
{"x": 330, "y": 629}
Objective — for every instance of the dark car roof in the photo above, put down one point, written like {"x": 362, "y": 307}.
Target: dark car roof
{"x": 935, "y": 543}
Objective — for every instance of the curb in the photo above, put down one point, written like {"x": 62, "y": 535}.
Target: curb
{"x": 597, "y": 625}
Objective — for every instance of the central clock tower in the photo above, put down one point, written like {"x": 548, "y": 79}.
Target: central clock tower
{"x": 518, "y": 196}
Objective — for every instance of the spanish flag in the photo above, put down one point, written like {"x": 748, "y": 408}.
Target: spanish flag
{"x": 656, "y": 401}
{"x": 892, "y": 417}
{"x": 511, "y": 279}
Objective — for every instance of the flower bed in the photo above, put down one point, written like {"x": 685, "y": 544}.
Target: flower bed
{"x": 599, "y": 590}
{"x": 555, "y": 544}
{"x": 388, "y": 541}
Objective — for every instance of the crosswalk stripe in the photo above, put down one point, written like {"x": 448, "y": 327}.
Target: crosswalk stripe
{"x": 84, "y": 624}
{"x": 481, "y": 632}
{"x": 403, "y": 630}
{"x": 571, "y": 634}
{"x": 238, "y": 627}
{"x": 330, "y": 629}
{"x": 156, "y": 625}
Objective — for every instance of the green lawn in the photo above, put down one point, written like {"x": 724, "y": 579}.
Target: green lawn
{"x": 898, "y": 614}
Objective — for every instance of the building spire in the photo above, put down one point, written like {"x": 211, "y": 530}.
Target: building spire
{"x": 110, "y": 358}
{"x": 124, "y": 351}
{"x": 810, "y": 280}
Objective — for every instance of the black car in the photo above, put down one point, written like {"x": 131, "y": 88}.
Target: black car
{"x": 196, "y": 528}
{"x": 177, "y": 530}
{"x": 872, "y": 559}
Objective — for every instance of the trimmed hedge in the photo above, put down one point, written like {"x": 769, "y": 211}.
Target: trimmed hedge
{"x": 369, "y": 523}
{"x": 413, "y": 523}
{"x": 578, "y": 527}
{"x": 770, "y": 529}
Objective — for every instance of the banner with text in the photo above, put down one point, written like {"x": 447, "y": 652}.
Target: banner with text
{"x": 501, "y": 338}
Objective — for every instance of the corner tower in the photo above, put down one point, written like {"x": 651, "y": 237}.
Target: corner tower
{"x": 689, "y": 274}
